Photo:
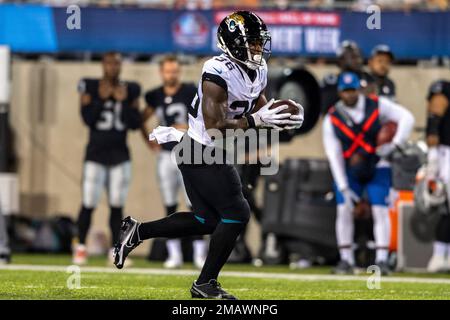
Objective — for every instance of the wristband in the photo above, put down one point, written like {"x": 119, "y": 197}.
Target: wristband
{"x": 250, "y": 120}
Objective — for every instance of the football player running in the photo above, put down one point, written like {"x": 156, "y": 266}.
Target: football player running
{"x": 109, "y": 108}
{"x": 231, "y": 95}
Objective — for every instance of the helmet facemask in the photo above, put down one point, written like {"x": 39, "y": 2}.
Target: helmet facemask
{"x": 252, "y": 50}
{"x": 258, "y": 50}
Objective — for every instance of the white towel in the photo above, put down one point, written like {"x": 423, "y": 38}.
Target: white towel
{"x": 165, "y": 134}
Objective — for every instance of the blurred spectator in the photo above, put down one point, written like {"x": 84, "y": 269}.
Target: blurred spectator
{"x": 109, "y": 108}
{"x": 349, "y": 59}
{"x": 357, "y": 5}
{"x": 406, "y": 5}
{"x": 359, "y": 167}
{"x": 154, "y": 3}
{"x": 216, "y": 4}
{"x": 438, "y": 4}
{"x": 193, "y": 4}
{"x": 281, "y": 4}
{"x": 438, "y": 169}
{"x": 64, "y": 3}
{"x": 380, "y": 64}
{"x": 321, "y": 3}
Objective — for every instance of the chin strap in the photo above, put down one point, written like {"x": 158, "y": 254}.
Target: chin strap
{"x": 251, "y": 65}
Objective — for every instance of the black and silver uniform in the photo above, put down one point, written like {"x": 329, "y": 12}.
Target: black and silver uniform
{"x": 109, "y": 121}
{"x": 171, "y": 110}
{"x": 442, "y": 87}
{"x": 385, "y": 87}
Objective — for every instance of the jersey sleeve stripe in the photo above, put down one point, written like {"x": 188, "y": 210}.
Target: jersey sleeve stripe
{"x": 215, "y": 79}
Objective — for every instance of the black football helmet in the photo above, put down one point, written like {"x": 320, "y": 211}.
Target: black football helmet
{"x": 349, "y": 56}
{"x": 244, "y": 37}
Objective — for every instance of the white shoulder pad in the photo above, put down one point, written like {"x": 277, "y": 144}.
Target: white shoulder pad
{"x": 218, "y": 66}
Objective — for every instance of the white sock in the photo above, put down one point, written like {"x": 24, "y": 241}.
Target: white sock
{"x": 347, "y": 255}
{"x": 381, "y": 231}
{"x": 199, "y": 247}
{"x": 344, "y": 226}
{"x": 439, "y": 248}
{"x": 174, "y": 249}
{"x": 381, "y": 255}
{"x": 344, "y": 232}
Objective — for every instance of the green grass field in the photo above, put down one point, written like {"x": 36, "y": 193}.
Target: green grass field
{"x": 46, "y": 277}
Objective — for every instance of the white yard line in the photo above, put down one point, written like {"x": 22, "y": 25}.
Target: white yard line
{"x": 258, "y": 275}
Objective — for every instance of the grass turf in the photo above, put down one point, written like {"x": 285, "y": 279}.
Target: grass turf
{"x": 25, "y": 284}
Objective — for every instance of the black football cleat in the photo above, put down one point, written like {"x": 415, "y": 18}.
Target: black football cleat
{"x": 5, "y": 258}
{"x": 128, "y": 240}
{"x": 343, "y": 267}
{"x": 210, "y": 290}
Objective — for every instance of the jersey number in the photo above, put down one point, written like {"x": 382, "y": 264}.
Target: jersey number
{"x": 178, "y": 111}
{"x": 246, "y": 106}
{"x": 110, "y": 117}
{"x": 193, "y": 107}
{"x": 228, "y": 63}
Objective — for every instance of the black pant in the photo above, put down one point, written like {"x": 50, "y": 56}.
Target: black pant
{"x": 215, "y": 192}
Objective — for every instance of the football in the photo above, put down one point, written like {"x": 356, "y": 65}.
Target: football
{"x": 292, "y": 108}
{"x": 386, "y": 133}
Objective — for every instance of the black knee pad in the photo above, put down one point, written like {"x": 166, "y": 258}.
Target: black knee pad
{"x": 237, "y": 212}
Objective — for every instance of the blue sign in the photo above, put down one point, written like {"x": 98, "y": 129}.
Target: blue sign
{"x": 28, "y": 28}
{"x": 38, "y": 28}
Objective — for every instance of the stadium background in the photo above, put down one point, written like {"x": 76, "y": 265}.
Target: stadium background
{"x": 49, "y": 59}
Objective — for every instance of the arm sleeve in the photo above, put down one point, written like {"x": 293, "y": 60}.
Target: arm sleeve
{"x": 131, "y": 116}
{"x": 391, "y": 111}
{"x": 333, "y": 150}
{"x": 149, "y": 100}
{"x": 90, "y": 113}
